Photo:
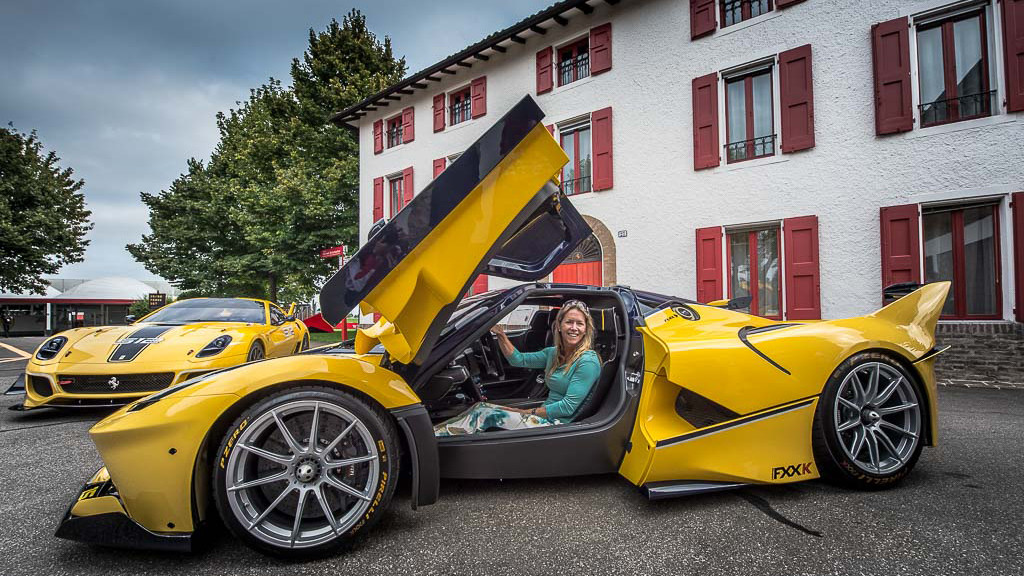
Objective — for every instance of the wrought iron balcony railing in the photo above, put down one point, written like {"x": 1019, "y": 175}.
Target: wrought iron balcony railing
{"x": 577, "y": 186}
{"x": 747, "y": 149}
{"x": 573, "y": 69}
{"x": 960, "y": 108}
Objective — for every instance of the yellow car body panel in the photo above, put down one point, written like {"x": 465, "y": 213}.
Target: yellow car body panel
{"x": 769, "y": 378}
{"x": 153, "y": 455}
{"x": 89, "y": 353}
{"x": 434, "y": 274}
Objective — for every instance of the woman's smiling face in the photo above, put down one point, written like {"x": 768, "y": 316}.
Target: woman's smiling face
{"x": 573, "y": 328}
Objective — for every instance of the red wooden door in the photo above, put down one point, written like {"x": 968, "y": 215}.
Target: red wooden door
{"x": 588, "y": 273}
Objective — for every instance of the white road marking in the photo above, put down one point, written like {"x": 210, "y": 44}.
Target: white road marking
{"x": 21, "y": 353}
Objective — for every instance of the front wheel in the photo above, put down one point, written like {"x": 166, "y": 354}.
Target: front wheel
{"x": 301, "y": 472}
{"x": 869, "y": 422}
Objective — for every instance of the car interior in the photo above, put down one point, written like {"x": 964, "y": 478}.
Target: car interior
{"x": 479, "y": 371}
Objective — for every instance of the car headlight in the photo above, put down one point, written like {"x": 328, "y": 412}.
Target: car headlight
{"x": 50, "y": 348}
{"x": 216, "y": 347}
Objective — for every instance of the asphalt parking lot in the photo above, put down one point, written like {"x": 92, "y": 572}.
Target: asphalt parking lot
{"x": 960, "y": 512}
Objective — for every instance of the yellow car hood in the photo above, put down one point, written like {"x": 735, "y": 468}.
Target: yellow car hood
{"x": 496, "y": 210}
{"x": 151, "y": 342}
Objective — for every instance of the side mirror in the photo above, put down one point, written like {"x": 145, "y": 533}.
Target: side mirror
{"x": 129, "y": 319}
{"x": 739, "y": 303}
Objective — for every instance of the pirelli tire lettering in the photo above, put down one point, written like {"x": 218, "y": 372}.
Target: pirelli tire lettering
{"x": 230, "y": 444}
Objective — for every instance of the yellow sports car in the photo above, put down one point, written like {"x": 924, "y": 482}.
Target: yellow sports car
{"x": 298, "y": 455}
{"x": 113, "y": 365}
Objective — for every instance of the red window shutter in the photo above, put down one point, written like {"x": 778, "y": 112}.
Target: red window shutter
{"x": 1017, "y": 206}
{"x": 551, "y": 129}
{"x": 378, "y": 198}
{"x": 545, "y": 77}
{"x": 702, "y": 18}
{"x": 796, "y": 97}
{"x": 408, "y": 124}
{"x": 439, "y": 112}
{"x": 1013, "y": 43}
{"x": 478, "y": 96}
{"x": 407, "y": 185}
{"x": 784, "y": 3}
{"x": 378, "y": 136}
{"x": 890, "y": 49}
{"x": 803, "y": 277}
{"x": 480, "y": 284}
{"x": 601, "y": 128}
{"x": 439, "y": 166}
{"x": 600, "y": 49}
{"x": 901, "y": 246}
{"x": 709, "y": 264}
{"x": 705, "y": 122}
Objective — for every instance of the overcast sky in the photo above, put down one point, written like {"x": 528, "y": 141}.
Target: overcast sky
{"x": 125, "y": 91}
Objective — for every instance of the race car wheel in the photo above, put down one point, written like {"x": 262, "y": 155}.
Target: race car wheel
{"x": 869, "y": 422}
{"x": 301, "y": 472}
{"x": 256, "y": 352}
{"x": 305, "y": 343}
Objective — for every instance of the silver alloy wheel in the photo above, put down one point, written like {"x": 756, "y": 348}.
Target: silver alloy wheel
{"x": 255, "y": 353}
{"x": 877, "y": 418}
{"x": 272, "y": 477}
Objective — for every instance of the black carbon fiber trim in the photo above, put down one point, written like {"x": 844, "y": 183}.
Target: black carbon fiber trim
{"x": 129, "y": 351}
{"x": 743, "y": 338}
{"x": 740, "y": 422}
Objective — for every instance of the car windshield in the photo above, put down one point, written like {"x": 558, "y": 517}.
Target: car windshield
{"x": 210, "y": 310}
{"x": 468, "y": 309}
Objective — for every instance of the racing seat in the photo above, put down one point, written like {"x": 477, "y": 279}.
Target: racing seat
{"x": 598, "y": 391}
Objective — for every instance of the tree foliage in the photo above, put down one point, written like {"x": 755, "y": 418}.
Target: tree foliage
{"x": 43, "y": 220}
{"x": 282, "y": 182}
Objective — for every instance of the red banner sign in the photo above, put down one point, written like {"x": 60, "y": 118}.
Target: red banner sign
{"x": 332, "y": 252}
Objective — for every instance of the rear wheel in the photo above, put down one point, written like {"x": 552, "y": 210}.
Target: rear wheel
{"x": 869, "y": 423}
{"x": 303, "y": 471}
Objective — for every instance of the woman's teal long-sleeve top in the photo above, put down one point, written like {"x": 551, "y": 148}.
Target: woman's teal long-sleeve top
{"x": 566, "y": 388}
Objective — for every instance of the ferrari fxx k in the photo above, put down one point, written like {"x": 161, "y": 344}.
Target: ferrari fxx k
{"x": 298, "y": 455}
{"x": 113, "y": 365}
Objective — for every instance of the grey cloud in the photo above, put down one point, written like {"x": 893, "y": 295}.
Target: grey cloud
{"x": 126, "y": 91}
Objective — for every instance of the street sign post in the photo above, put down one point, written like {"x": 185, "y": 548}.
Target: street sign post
{"x": 336, "y": 252}
{"x": 157, "y": 300}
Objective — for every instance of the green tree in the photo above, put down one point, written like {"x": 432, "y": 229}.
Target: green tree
{"x": 282, "y": 182}
{"x": 43, "y": 220}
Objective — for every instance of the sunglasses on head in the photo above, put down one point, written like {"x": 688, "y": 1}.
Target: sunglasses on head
{"x": 576, "y": 304}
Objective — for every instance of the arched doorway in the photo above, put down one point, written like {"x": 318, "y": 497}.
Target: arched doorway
{"x": 583, "y": 266}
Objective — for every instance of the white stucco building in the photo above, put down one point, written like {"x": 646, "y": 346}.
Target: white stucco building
{"x": 804, "y": 152}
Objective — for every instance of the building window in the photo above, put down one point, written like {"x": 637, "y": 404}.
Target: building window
{"x": 960, "y": 245}
{"x": 750, "y": 124}
{"x": 953, "y": 69}
{"x": 754, "y": 270}
{"x": 396, "y": 193}
{"x": 576, "y": 173}
{"x": 394, "y": 132}
{"x": 736, "y": 11}
{"x": 459, "y": 107}
{"x": 573, "y": 62}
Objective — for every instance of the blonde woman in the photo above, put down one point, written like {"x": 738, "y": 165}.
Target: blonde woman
{"x": 571, "y": 367}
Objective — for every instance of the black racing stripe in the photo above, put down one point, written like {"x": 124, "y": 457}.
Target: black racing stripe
{"x": 740, "y": 422}
{"x": 128, "y": 352}
{"x": 743, "y": 338}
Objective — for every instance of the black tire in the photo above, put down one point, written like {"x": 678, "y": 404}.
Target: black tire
{"x": 844, "y": 459}
{"x": 371, "y": 483}
{"x": 304, "y": 345}
{"x": 256, "y": 352}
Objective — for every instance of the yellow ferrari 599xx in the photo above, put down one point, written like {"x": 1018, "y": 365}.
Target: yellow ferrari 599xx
{"x": 113, "y": 365}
